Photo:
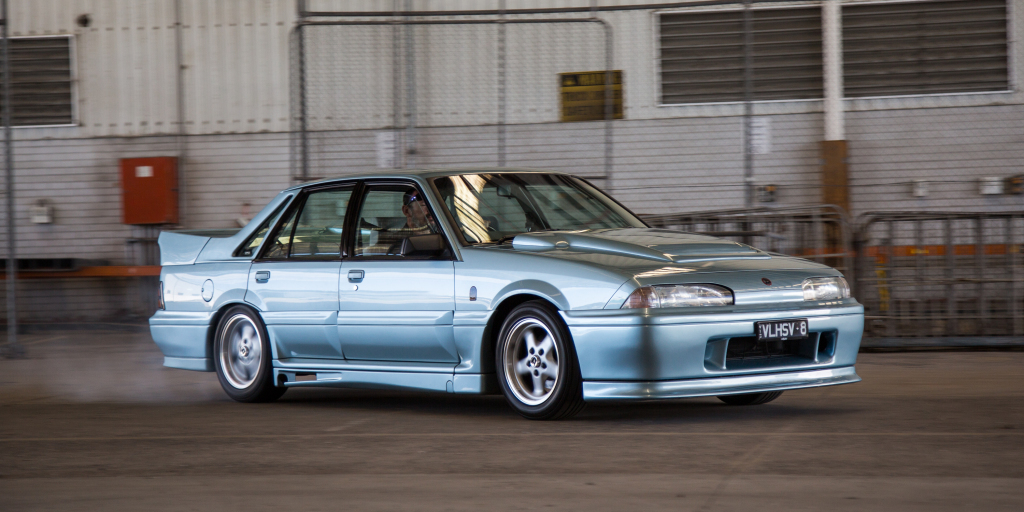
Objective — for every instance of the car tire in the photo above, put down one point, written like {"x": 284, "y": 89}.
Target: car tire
{"x": 536, "y": 364}
{"x": 751, "y": 398}
{"x": 242, "y": 357}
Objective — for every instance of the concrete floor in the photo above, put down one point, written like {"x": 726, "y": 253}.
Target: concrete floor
{"x": 91, "y": 421}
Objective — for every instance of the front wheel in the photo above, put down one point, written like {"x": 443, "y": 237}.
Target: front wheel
{"x": 750, "y": 398}
{"x": 536, "y": 364}
{"x": 241, "y": 355}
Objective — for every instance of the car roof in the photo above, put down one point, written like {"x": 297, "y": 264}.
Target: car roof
{"x": 423, "y": 173}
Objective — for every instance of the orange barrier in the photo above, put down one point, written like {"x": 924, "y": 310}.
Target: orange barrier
{"x": 103, "y": 271}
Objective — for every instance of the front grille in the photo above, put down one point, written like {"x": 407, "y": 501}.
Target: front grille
{"x": 745, "y": 352}
{"x": 748, "y": 347}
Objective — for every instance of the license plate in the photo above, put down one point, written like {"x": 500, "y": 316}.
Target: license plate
{"x": 781, "y": 330}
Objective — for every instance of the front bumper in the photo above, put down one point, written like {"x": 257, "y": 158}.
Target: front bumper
{"x": 690, "y": 388}
{"x": 659, "y": 348}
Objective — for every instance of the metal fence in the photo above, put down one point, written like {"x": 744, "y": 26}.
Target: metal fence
{"x": 941, "y": 274}
{"x": 819, "y": 233}
{"x": 948, "y": 278}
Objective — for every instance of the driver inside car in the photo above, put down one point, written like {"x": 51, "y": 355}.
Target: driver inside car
{"x": 417, "y": 215}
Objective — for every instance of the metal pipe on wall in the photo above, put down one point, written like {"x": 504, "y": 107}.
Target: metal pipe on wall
{"x": 501, "y": 84}
{"x": 180, "y": 141}
{"x": 12, "y": 349}
{"x": 832, "y": 53}
{"x": 410, "y": 90}
{"x": 748, "y": 104}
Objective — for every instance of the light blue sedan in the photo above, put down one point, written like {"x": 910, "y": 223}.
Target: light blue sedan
{"x": 534, "y": 284}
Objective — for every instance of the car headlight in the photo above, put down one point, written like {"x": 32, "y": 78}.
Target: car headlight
{"x": 826, "y": 288}
{"x": 678, "y": 296}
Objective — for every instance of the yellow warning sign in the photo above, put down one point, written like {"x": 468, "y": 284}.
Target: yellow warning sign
{"x": 583, "y": 97}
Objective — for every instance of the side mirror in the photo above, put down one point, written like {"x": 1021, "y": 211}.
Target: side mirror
{"x": 424, "y": 246}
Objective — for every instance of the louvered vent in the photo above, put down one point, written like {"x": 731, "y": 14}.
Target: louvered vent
{"x": 40, "y": 81}
{"x": 925, "y": 47}
{"x": 702, "y": 55}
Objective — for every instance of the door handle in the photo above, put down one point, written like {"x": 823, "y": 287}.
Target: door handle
{"x": 262, "y": 276}
{"x": 355, "y": 275}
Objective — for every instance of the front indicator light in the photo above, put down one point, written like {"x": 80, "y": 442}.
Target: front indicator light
{"x": 826, "y": 288}
{"x": 679, "y": 296}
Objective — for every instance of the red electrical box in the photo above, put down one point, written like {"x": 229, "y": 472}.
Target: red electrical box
{"x": 149, "y": 190}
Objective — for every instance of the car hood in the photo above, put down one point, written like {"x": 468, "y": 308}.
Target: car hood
{"x": 656, "y": 245}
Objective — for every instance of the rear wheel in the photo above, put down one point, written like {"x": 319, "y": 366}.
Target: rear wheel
{"x": 750, "y": 398}
{"x": 537, "y": 366}
{"x": 241, "y": 355}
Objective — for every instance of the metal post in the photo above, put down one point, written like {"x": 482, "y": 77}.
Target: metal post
{"x": 979, "y": 254}
{"x": 951, "y": 300}
{"x": 182, "y": 148}
{"x": 832, "y": 48}
{"x": 410, "y": 90}
{"x": 748, "y": 104}
{"x": 890, "y": 253}
{"x": 304, "y": 133}
{"x": 13, "y": 349}
{"x": 609, "y": 105}
{"x": 396, "y": 81}
{"x": 501, "y": 84}
{"x": 1015, "y": 292}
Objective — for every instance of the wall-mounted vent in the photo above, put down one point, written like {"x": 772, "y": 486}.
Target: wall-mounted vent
{"x": 41, "y": 81}
{"x": 702, "y": 55}
{"x": 927, "y": 47}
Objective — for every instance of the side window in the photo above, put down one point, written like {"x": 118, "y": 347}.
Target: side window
{"x": 253, "y": 242}
{"x": 315, "y": 233}
{"x": 389, "y": 215}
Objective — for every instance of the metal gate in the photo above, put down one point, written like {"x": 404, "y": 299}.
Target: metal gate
{"x": 819, "y": 233}
{"x": 941, "y": 274}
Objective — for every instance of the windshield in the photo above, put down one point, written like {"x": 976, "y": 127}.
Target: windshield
{"x": 489, "y": 207}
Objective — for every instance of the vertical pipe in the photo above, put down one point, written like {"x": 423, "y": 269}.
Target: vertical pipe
{"x": 396, "y": 85}
{"x": 609, "y": 105}
{"x": 748, "y": 104}
{"x": 180, "y": 140}
{"x": 12, "y": 349}
{"x": 410, "y": 90}
{"x": 303, "y": 132}
{"x": 832, "y": 53}
{"x": 501, "y": 84}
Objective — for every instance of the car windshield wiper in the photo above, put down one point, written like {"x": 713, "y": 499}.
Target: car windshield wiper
{"x": 505, "y": 238}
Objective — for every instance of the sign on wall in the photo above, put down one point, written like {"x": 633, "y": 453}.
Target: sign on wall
{"x": 582, "y": 95}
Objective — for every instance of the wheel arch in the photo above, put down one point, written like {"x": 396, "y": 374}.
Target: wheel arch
{"x": 211, "y": 332}
{"x": 501, "y": 311}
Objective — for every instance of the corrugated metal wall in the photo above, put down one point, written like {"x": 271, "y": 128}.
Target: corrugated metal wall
{"x": 235, "y": 54}
{"x": 666, "y": 158}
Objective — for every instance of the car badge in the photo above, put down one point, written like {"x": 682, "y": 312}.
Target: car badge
{"x": 766, "y": 281}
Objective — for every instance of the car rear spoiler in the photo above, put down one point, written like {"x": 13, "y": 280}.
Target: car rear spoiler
{"x": 180, "y": 248}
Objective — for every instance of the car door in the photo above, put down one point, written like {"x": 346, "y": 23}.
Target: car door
{"x": 294, "y": 281}
{"x": 393, "y": 307}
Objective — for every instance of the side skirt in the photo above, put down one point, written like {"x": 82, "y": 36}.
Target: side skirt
{"x": 376, "y": 375}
